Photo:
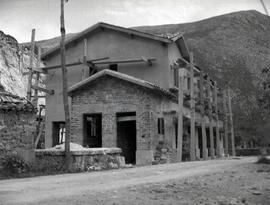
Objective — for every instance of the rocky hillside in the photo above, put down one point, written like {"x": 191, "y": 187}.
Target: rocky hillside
{"x": 14, "y": 60}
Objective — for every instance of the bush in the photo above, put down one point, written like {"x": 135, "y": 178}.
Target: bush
{"x": 13, "y": 164}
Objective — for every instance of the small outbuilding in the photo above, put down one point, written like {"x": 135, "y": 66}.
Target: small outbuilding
{"x": 112, "y": 109}
{"x": 17, "y": 126}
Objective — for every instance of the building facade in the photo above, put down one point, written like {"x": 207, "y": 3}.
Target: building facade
{"x": 132, "y": 93}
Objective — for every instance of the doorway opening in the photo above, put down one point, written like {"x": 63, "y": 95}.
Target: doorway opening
{"x": 126, "y": 135}
{"x": 92, "y": 128}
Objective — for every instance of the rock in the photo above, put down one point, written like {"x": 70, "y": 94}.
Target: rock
{"x": 113, "y": 165}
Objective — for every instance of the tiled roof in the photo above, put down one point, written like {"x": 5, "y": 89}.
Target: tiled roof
{"x": 9, "y": 102}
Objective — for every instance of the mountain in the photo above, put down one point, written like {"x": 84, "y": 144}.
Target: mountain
{"x": 235, "y": 50}
{"x": 48, "y": 43}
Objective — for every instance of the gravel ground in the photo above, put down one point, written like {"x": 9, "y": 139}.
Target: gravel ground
{"x": 233, "y": 181}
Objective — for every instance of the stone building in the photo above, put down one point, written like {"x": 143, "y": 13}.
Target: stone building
{"x": 125, "y": 94}
{"x": 17, "y": 126}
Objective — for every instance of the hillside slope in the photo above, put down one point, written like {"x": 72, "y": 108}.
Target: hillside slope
{"x": 235, "y": 49}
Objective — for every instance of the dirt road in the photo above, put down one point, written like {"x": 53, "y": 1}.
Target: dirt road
{"x": 204, "y": 182}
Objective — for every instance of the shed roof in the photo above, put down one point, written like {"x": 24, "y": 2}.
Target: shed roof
{"x": 116, "y": 28}
{"x": 121, "y": 76}
{"x": 9, "y": 102}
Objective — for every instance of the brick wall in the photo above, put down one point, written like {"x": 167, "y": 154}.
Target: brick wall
{"x": 17, "y": 130}
{"x": 109, "y": 96}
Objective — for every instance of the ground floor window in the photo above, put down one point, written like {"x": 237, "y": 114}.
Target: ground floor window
{"x": 92, "y": 128}
{"x": 58, "y": 133}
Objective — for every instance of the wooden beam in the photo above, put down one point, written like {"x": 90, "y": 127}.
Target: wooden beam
{"x": 35, "y": 100}
{"x": 180, "y": 116}
{"x": 40, "y": 96}
{"x": 30, "y": 76}
{"x": 149, "y": 62}
{"x": 212, "y": 150}
{"x": 126, "y": 61}
{"x": 192, "y": 112}
{"x": 51, "y": 92}
{"x": 204, "y": 139}
{"x": 85, "y": 73}
{"x": 217, "y": 119}
{"x": 225, "y": 123}
{"x": 74, "y": 63}
{"x": 231, "y": 122}
{"x": 126, "y": 118}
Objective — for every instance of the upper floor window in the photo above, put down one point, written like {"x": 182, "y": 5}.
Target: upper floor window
{"x": 113, "y": 67}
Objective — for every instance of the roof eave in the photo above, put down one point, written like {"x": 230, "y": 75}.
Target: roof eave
{"x": 108, "y": 26}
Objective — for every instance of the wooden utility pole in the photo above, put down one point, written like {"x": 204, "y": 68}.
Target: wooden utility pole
{"x": 35, "y": 101}
{"x": 32, "y": 55}
{"x": 65, "y": 89}
{"x": 210, "y": 118}
{"x": 84, "y": 59}
{"x": 225, "y": 122}
{"x": 192, "y": 111}
{"x": 231, "y": 122}
{"x": 180, "y": 114}
{"x": 202, "y": 107}
{"x": 217, "y": 120}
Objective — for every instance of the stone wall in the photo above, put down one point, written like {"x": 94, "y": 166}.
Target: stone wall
{"x": 17, "y": 130}
{"x": 83, "y": 160}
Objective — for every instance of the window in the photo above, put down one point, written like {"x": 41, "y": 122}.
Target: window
{"x": 92, "y": 126}
{"x": 58, "y": 133}
{"x": 161, "y": 126}
{"x": 113, "y": 67}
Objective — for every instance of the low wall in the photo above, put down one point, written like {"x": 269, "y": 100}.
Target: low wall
{"x": 82, "y": 160}
{"x": 251, "y": 151}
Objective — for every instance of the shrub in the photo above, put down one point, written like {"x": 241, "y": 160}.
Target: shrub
{"x": 13, "y": 164}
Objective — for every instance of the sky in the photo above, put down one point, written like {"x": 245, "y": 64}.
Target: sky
{"x": 19, "y": 17}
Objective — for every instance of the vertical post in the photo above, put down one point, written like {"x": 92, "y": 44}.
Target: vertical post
{"x": 65, "y": 95}
{"x": 180, "y": 115}
{"x": 231, "y": 122}
{"x": 29, "y": 86}
{"x": 210, "y": 118}
{"x": 217, "y": 120}
{"x": 225, "y": 121}
{"x": 35, "y": 101}
{"x": 204, "y": 146}
{"x": 84, "y": 59}
{"x": 192, "y": 111}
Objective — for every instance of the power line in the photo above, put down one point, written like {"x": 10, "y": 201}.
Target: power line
{"x": 264, "y": 7}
